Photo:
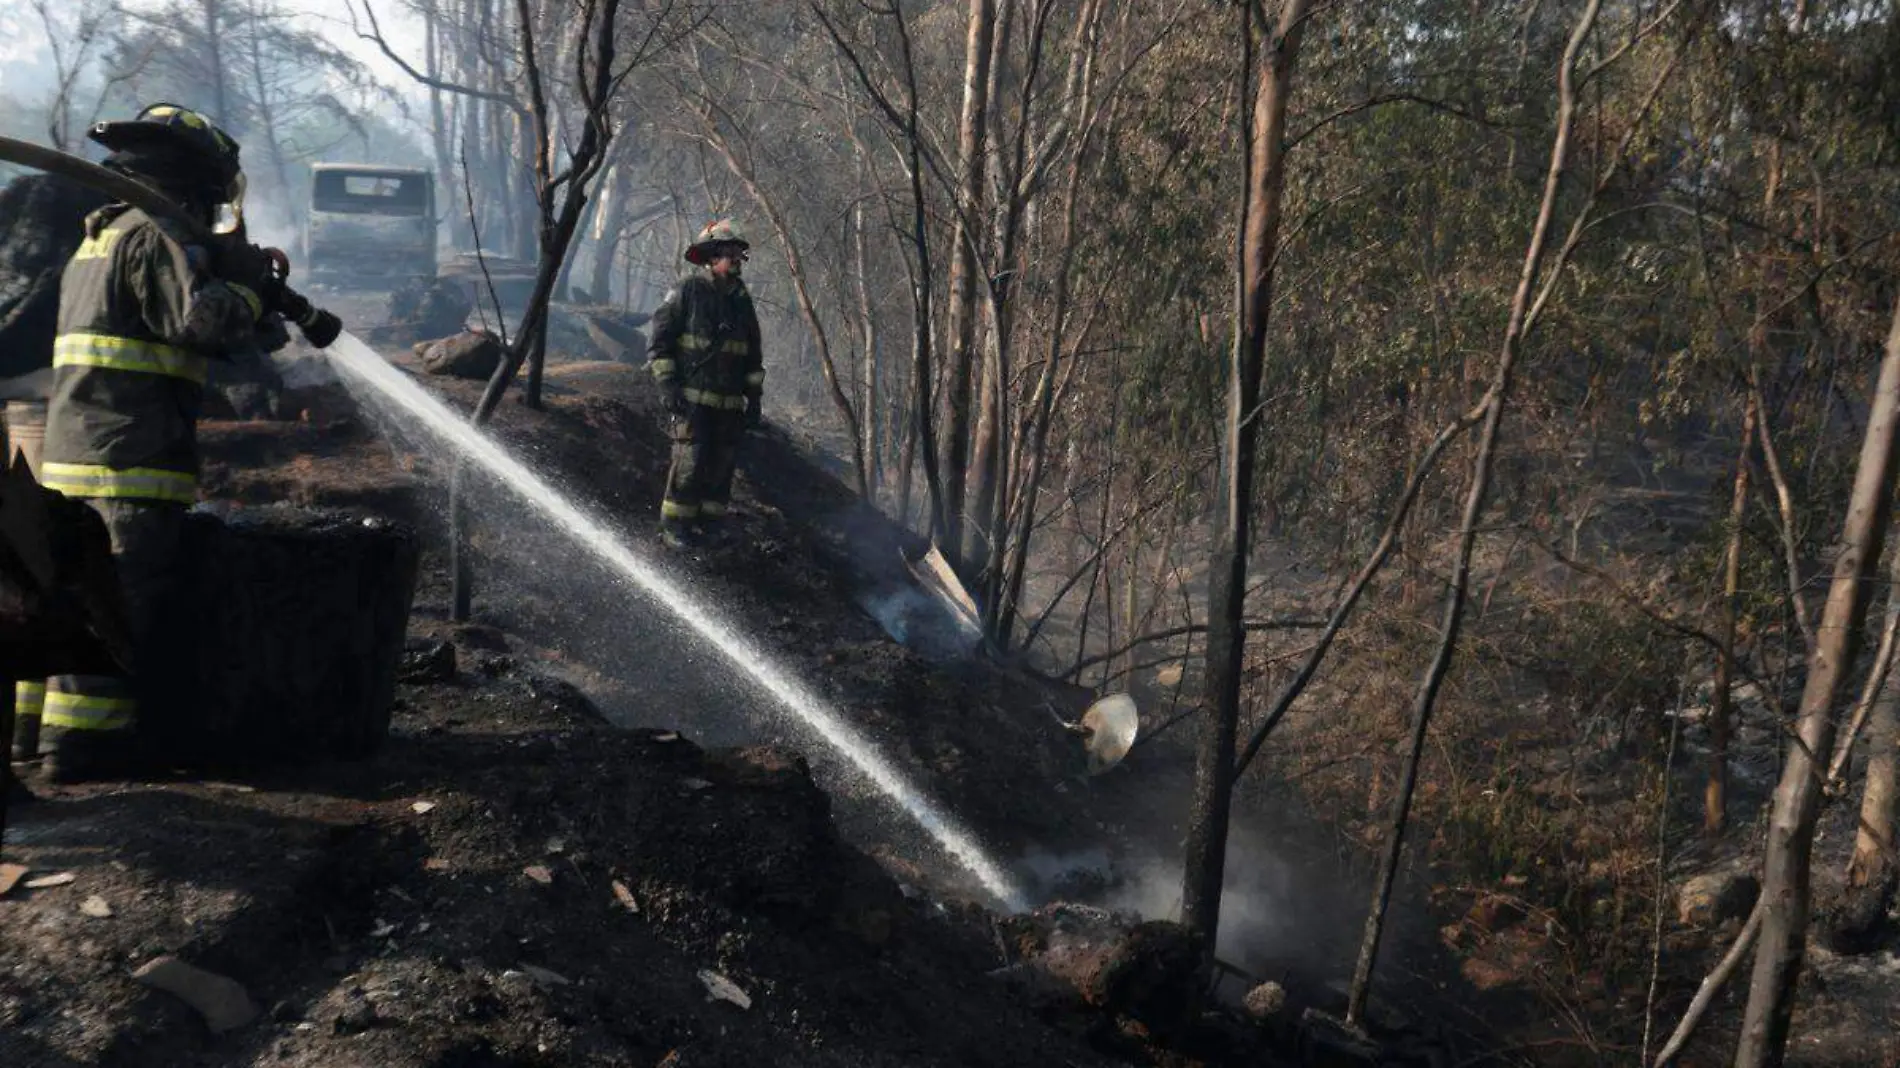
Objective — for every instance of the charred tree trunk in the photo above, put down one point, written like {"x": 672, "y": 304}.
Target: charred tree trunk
{"x": 1797, "y": 803}
{"x": 1206, "y": 847}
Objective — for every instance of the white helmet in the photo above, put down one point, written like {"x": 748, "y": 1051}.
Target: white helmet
{"x": 718, "y": 232}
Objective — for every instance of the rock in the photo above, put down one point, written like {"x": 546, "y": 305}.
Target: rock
{"x": 222, "y": 1001}
{"x": 97, "y": 907}
{"x": 433, "y": 310}
{"x": 1265, "y": 1002}
{"x": 1859, "y": 921}
{"x": 1145, "y": 971}
{"x": 356, "y": 1015}
{"x": 47, "y": 882}
{"x": 539, "y": 873}
{"x": 469, "y": 354}
{"x": 425, "y": 661}
{"x": 1714, "y": 897}
{"x": 1329, "y": 1043}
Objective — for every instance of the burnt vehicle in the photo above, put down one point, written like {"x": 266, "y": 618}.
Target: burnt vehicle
{"x": 370, "y": 225}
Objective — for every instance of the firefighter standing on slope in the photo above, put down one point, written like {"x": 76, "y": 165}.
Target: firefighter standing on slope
{"x": 705, "y": 357}
{"x": 143, "y": 306}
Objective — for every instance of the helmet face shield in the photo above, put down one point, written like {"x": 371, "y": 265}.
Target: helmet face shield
{"x": 230, "y": 214}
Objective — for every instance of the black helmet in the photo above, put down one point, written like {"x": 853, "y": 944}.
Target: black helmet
{"x": 165, "y": 138}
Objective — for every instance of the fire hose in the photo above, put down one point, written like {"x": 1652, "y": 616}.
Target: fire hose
{"x": 319, "y": 327}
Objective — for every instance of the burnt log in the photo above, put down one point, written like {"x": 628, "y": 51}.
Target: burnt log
{"x": 298, "y": 618}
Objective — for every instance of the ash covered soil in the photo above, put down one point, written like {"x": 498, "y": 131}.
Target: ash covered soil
{"x": 587, "y": 841}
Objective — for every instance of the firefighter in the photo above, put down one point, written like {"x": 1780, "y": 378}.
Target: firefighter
{"x": 705, "y": 357}
{"x": 144, "y": 304}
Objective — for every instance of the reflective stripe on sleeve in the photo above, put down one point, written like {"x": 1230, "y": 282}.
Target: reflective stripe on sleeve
{"x": 676, "y": 510}
{"x": 755, "y": 379}
{"x": 125, "y": 354}
{"x": 663, "y": 367}
{"x": 251, "y": 299}
{"x": 135, "y": 483}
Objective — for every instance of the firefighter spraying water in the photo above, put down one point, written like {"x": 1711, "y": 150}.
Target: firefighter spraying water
{"x": 164, "y": 281}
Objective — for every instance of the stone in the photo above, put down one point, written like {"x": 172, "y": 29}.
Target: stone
{"x": 97, "y": 907}
{"x": 356, "y": 1015}
{"x": 469, "y": 354}
{"x": 222, "y": 1001}
{"x": 1265, "y": 1002}
{"x": 1712, "y": 898}
{"x": 425, "y": 661}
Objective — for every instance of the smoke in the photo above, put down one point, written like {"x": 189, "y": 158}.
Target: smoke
{"x": 1278, "y": 914}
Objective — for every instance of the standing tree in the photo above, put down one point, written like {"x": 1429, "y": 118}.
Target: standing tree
{"x": 1264, "y": 184}
{"x": 1797, "y": 803}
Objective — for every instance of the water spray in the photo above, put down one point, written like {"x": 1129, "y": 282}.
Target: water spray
{"x": 363, "y": 366}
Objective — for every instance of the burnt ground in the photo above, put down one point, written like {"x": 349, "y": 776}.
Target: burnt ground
{"x": 588, "y": 824}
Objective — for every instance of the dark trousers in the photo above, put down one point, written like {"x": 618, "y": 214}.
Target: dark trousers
{"x": 147, "y": 543}
{"x": 705, "y": 451}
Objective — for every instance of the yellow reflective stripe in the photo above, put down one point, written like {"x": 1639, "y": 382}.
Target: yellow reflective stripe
{"x": 675, "y": 510}
{"x": 125, "y": 354}
{"x": 139, "y": 483}
{"x": 78, "y": 712}
{"x": 700, "y": 343}
{"x": 99, "y": 247}
{"x": 709, "y": 399}
{"x": 663, "y": 367}
{"x": 712, "y": 508}
{"x": 28, "y": 698}
{"x": 255, "y": 302}
{"x": 756, "y": 378}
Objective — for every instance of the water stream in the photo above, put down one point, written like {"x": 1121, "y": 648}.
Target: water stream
{"x": 362, "y": 367}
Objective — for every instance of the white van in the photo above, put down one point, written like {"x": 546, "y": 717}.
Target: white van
{"x": 370, "y": 225}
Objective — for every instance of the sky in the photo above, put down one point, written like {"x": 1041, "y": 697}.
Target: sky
{"x": 26, "y": 65}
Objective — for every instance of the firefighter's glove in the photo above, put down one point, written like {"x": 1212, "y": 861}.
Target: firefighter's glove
{"x": 240, "y": 263}
{"x": 753, "y": 417}
{"x": 673, "y": 398}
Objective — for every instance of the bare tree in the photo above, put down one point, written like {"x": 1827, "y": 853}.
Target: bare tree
{"x": 1797, "y": 803}
{"x": 1263, "y": 187}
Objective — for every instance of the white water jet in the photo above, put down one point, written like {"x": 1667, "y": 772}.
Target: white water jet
{"x": 361, "y": 364}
